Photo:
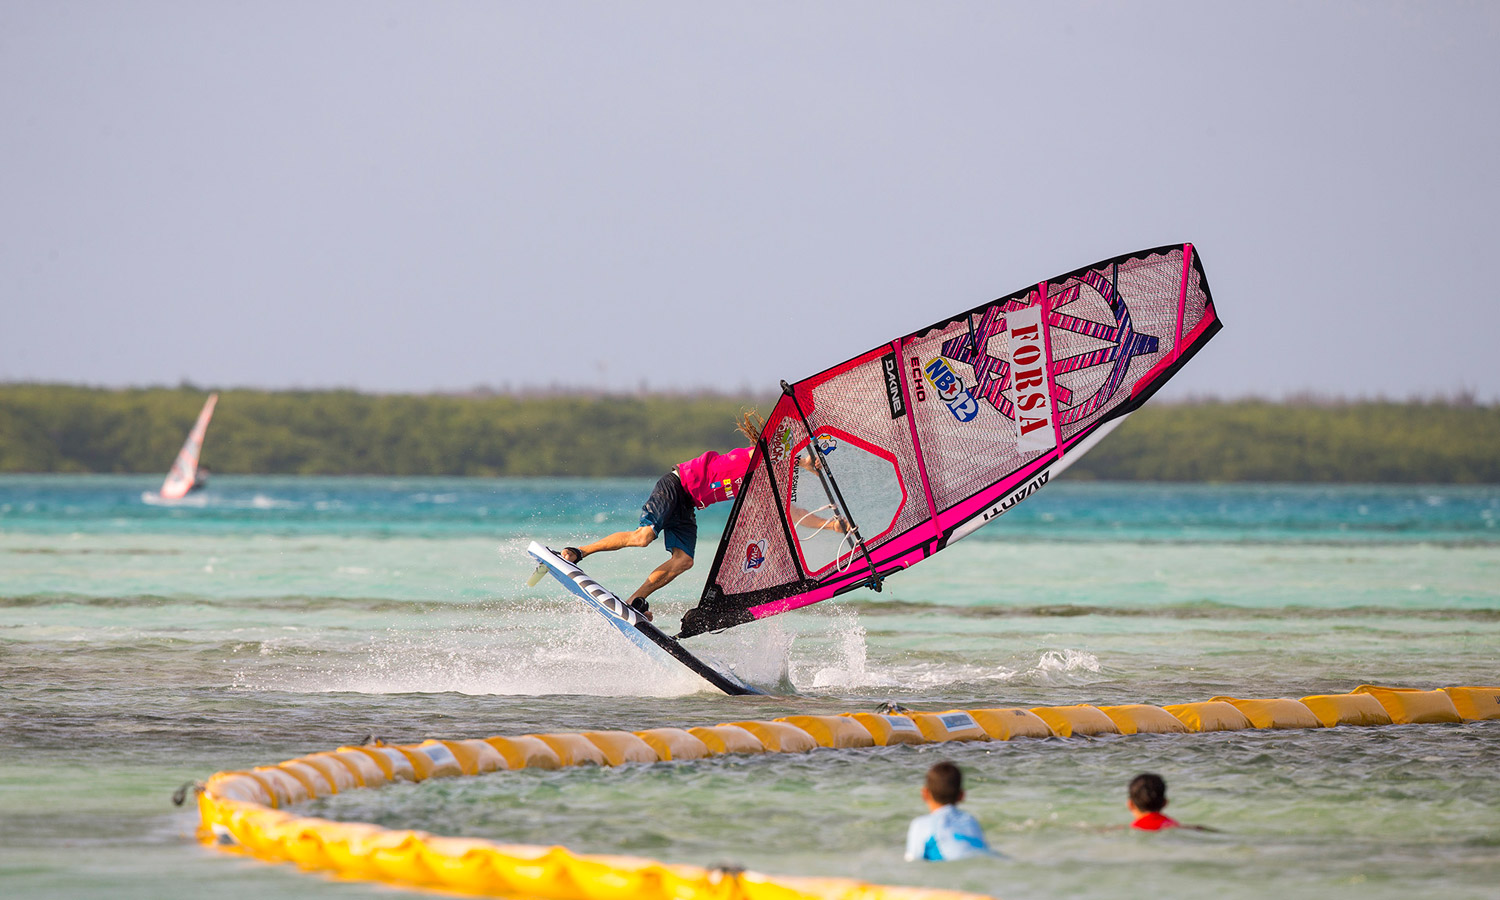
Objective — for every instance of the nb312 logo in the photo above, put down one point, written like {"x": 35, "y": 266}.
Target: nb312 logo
{"x": 950, "y": 389}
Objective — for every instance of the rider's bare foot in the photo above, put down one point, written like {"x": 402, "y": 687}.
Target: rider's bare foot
{"x": 571, "y": 554}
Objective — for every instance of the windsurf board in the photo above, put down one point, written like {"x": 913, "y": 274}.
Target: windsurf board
{"x": 660, "y": 647}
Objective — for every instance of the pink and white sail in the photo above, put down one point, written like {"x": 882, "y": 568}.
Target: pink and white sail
{"x": 922, "y": 440}
{"x": 184, "y": 473}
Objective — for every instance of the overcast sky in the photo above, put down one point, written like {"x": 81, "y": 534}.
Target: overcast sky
{"x": 434, "y": 196}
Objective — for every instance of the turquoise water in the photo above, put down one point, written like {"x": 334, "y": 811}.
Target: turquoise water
{"x": 144, "y": 645}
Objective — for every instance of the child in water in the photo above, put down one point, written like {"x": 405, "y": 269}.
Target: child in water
{"x": 946, "y": 832}
{"x": 1148, "y": 797}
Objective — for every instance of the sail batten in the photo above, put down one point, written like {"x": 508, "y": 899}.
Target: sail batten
{"x": 932, "y": 435}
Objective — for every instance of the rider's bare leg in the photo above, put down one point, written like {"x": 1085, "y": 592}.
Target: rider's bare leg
{"x": 662, "y": 575}
{"x": 641, "y": 537}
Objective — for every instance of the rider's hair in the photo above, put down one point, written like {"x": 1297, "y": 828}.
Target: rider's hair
{"x": 750, "y": 424}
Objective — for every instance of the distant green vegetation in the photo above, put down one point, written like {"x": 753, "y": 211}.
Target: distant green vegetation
{"x": 50, "y": 428}
{"x": 1251, "y": 440}
{"x": 56, "y": 428}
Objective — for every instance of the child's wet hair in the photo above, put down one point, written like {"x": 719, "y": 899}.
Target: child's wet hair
{"x": 945, "y": 783}
{"x": 1148, "y": 792}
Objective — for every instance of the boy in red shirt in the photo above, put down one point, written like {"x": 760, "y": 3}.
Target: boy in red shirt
{"x": 1148, "y": 797}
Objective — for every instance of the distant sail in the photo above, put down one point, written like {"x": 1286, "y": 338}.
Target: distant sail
{"x": 924, "y": 439}
{"x": 185, "y": 468}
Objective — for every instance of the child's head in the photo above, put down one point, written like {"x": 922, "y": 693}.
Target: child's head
{"x": 945, "y": 784}
{"x": 1148, "y": 793}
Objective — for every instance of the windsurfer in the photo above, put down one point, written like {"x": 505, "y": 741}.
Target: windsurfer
{"x": 671, "y": 510}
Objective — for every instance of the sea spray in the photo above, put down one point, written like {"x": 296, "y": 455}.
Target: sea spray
{"x": 529, "y": 649}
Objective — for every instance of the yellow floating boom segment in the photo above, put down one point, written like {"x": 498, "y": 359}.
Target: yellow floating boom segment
{"x": 246, "y": 811}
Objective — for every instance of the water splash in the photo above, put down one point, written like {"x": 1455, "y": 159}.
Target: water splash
{"x": 1063, "y": 667}
{"x": 531, "y": 649}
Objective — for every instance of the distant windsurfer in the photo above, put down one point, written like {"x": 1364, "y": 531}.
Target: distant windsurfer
{"x": 671, "y": 510}
{"x": 200, "y": 478}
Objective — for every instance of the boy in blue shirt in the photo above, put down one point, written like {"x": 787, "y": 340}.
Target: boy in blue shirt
{"x": 947, "y": 832}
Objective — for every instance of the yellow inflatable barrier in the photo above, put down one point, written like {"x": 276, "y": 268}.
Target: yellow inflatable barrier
{"x": 239, "y": 786}
{"x": 473, "y": 757}
{"x": 420, "y": 763}
{"x": 525, "y": 752}
{"x": 673, "y": 743}
{"x": 246, "y": 811}
{"x": 779, "y": 737}
{"x": 721, "y": 739}
{"x": 366, "y": 771}
{"x": 284, "y": 789}
{"x": 889, "y": 729}
{"x": 573, "y": 749}
{"x": 344, "y": 847}
{"x": 621, "y": 747}
{"x": 953, "y": 725}
{"x": 440, "y": 760}
{"x": 418, "y": 859}
{"x": 391, "y": 762}
{"x": 1475, "y": 704}
{"x": 1005, "y": 724}
{"x": 396, "y": 856}
{"x": 1408, "y": 706}
{"x": 1275, "y": 713}
{"x": 1081, "y": 720}
{"x": 310, "y": 777}
{"x": 1347, "y": 709}
{"x": 1209, "y": 715}
{"x": 335, "y": 773}
{"x": 1143, "y": 718}
{"x": 833, "y": 731}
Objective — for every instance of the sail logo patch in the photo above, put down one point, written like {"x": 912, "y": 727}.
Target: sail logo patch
{"x": 1031, "y": 488}
{"x": 892, "y": 372}
{"x": 781, "y": 444}
{"x": 827, "y": 443}
{"x": 950, "y": 389}
{"x": 1028, "y": 390}
{"x": 1122, "y": 344}
{"x": 755, "y": 555}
